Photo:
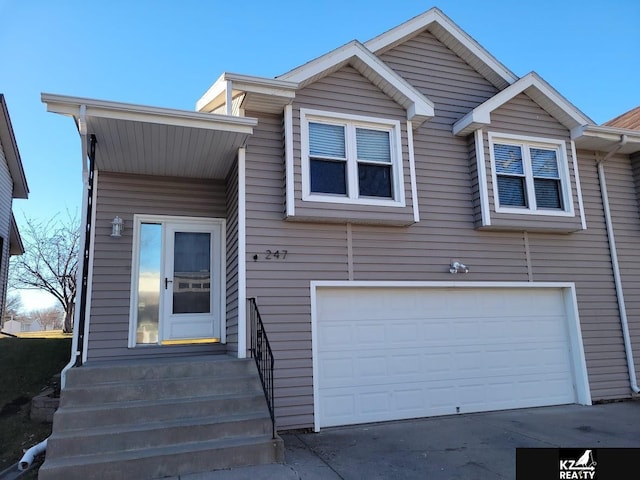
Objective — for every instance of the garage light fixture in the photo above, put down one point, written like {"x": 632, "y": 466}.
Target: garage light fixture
{"x": 456, "y": 266}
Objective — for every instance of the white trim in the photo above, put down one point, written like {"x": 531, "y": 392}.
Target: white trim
{"x": 275, "y": 89}
{"x": 563, "y": 170}
{"x": 395, "y": 134}
{"x": 576, "y": 175}
{"x": 242, "y": 255}
{"x": 81, "y": 249}
{"x": 371, "y": 67}
{"x": 566, "y": 113}
{"x": 221, "y": 295}
{"x": 581, "y": 380}
{"x": 422, "y": 22}
{"x": 481, "y": 166}
{"x": 314, "y": 356}
{"x": 92, "y": 247}
{"x": 624, "y": 322}
{"x": 141, "y": 113}
{"x": 412, "y": 174}
{"x": 289, "y": 161}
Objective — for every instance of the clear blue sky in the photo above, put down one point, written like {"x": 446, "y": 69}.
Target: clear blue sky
{"x": 167, "y": 53}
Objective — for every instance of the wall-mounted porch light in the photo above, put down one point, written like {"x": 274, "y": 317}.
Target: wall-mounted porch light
{"x": 117, "y": 227}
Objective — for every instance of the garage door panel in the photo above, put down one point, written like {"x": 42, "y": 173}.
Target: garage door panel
{"x": 401, "y": 353}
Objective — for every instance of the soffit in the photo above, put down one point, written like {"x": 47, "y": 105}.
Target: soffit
{"x": 154, "y": 141}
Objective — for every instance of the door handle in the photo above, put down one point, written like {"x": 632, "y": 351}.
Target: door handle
{"x": 167, "y": 282}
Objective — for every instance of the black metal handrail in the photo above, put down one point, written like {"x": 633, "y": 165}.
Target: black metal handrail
{"x": 263, "y": 355}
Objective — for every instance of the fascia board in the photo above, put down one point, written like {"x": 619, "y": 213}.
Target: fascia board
{"x": 245, "y": 83}
{"x": 481, "y": 115}
{"x": 422, "y": 22}
{"x": 124, "y": 111}
{"x": 12, "y": 154}
{"x": 419, "y": 106}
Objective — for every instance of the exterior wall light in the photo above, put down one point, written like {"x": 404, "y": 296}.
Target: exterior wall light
{"x": 117, "y": 227}
{"x": 457, "y": 266}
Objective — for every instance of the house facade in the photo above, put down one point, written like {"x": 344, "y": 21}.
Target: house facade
{"x": 423, "y": 232}
{"x": 13, "y": 184}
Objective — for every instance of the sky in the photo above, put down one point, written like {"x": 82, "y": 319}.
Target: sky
{"x": 167, "y": 53}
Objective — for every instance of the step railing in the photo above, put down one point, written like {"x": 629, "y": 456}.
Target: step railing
{"x": 263, "y": 355}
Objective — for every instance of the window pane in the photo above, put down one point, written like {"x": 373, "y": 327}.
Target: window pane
{"x": 326, "y": 140}
{"x": 511, "y": 191}
{"x": 374, "y": 180}
{"x": 149, "y": 282}
{"x": 548, "y": 193}
{"x": 544, "y": 163}
{"x": 328, "y": 177}
{"x": 191, "y": 267}
{"x": 508, "y": 159}
{"x": 373, "y": 145}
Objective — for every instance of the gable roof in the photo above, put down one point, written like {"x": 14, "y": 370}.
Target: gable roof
{"x": 419, "y": 108}
{"x": 12, "y": 155}
{"x": 629, "y": 120}
{"x": 451, "y": 35}
{"x": 539, "y": 90}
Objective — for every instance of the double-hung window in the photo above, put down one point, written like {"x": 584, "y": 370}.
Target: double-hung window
{"x": 530, "y": 175}
{"x": 349, "y": 159}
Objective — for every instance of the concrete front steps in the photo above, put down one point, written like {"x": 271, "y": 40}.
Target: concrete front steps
{"x": 148, "y": 419}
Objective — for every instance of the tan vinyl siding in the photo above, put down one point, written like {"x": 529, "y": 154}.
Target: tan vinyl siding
{"x": 447, "y": 185}
{"x": 522, "y": 116}
{"x": 282, "y": 285}
{"x": 126, "y": 195}
{"x": 346, "y": 91}
{"x": 6, "y": 198}
{"x": 585, "y": 259}
{"x": 622, "y": 188}
{"x": 232, "y": 260}
{"x": 444, "y": 78}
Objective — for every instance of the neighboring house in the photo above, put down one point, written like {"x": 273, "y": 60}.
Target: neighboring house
{"x": 13, "y": 184}
{"x": 423, "y": 232}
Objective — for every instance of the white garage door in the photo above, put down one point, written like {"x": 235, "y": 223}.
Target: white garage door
{"x": 395, "y": 353}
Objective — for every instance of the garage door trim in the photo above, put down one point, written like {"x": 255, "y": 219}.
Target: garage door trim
{"x": 581, "y": 383}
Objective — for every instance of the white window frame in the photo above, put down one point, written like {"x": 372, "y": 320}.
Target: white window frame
{"x": 525, "y": 143}
{"x": 351, "y": 122}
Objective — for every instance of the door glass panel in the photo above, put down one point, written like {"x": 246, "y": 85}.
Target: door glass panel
{"x": 149, "y": 282}
{"x": 192, "y": 272}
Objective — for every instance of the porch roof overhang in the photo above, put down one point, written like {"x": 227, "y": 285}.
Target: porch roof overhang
{"x": 139, "y": 139}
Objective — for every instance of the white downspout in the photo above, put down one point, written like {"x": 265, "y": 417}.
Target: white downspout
{"x": 616, "y": 266}
{"x": 82, "y": 129}
{"x": 30, "y": 455}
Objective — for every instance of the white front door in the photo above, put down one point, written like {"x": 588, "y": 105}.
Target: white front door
{"x": 191, "y": 288}
{"x": 178, "y": 286}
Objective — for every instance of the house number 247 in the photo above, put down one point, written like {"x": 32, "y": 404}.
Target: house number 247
{"x": 275, "y": 254}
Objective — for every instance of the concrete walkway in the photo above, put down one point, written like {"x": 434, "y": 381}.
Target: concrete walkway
{"x": 478, "y": 446}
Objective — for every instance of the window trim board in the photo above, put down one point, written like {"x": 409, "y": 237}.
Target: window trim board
{"x": 563, "y": 171}
{"x": 397, "y": 161}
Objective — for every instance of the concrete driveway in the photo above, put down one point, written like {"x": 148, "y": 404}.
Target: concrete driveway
{"x": 471, "y": 446}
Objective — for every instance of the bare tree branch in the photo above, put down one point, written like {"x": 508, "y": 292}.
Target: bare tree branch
{"x": 50, "y": 261}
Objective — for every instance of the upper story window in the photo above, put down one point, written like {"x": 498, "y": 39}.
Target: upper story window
{"x": 530, "y": 175}
{"x": 351, "y": 159}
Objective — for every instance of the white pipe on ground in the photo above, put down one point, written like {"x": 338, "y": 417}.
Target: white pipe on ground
{"x": 28, "y": 457}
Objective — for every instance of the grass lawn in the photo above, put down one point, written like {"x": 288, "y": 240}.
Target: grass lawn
{"x": 26, "y": 368}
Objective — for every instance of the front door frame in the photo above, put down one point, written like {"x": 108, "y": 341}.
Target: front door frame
{"x": 219, "y": 272}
